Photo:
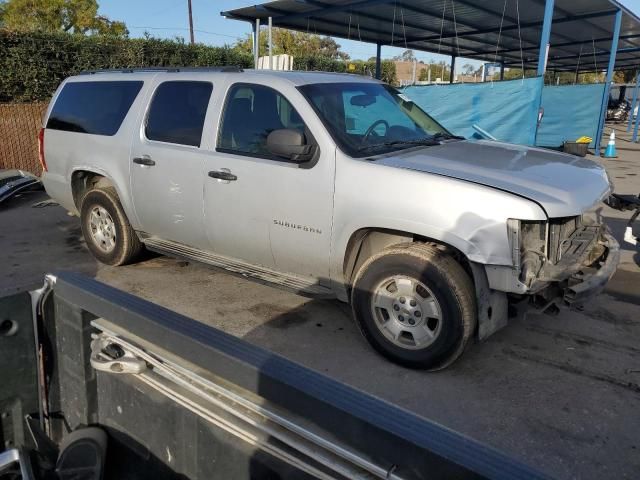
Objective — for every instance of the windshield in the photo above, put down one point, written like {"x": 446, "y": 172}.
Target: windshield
{"x": 372, "y": 118}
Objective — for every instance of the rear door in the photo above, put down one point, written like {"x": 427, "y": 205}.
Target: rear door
{"x": 167, "y": 161}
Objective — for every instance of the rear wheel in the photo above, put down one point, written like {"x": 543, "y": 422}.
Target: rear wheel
{"x": 415, "y": 305}
{"x": 106, "y": 229}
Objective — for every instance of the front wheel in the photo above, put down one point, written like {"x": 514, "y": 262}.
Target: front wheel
{"x": 415, "y": 305}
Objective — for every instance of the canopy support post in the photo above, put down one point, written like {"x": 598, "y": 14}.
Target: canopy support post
{"x": 501, "y": 70}
{"x": 634, "y": 139}
{"x": 256, "y": 43}
{"x": 453, "y": 68}
{"x": 270, "y": 44}
{"x": 378, "y": 61}
{"x": 634, "y": 101}
{"x": 545, "y": 37}
{"x": 607, "y": 88}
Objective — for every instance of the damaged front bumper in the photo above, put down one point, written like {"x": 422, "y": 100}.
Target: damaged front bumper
{"x": 591, "y": 257}
{"x": 584, "y": 285}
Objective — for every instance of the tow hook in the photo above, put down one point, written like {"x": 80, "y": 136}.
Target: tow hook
{"x": 625, "y": 203}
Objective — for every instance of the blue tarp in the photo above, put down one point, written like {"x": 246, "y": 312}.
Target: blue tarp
{"x": 507, "y": 110}
{"x": 570, "y": 111}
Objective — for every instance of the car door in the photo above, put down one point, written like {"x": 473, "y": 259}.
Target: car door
{"x": 262, "y": 208}
{"x": 167, "y": 161}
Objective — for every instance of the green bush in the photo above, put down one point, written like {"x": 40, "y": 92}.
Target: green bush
{"x": 360, "y": 67}
{"x": 33, "y": 64}
{"x": 316, "y": 63}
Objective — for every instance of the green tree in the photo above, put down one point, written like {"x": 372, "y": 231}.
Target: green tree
{"x": 442, "y": 71}
{"x": 405, "y": 56}
{"x": 514, "y": 74}
{"x": 467, "y": 69}
{"x": 297, "y": 44}
{"x": 73, "y": 16}
{"x": 423, "y": 75}
{"x": 624, "y": 76}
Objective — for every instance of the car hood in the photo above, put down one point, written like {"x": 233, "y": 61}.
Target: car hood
{"x": 564, "y": 185}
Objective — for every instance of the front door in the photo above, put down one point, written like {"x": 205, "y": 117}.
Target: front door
{"x": 262, "y": 208}
{"x": 167, "y": 162}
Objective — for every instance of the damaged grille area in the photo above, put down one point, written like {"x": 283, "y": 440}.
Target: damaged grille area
{"x": 555, "y": 250}
{"x": 560, "y": 231}
{"x": 577, "y": 252}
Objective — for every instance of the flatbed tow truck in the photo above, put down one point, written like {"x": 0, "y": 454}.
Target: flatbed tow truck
{"x": 97, "y": 383}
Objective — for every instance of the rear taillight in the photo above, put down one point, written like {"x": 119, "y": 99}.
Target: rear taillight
{"x": 41, "y": 150}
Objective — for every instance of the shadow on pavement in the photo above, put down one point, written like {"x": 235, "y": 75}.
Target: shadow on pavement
{"x": 50, "y": 240}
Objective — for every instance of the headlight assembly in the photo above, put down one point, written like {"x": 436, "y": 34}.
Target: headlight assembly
{"x": 528, "y": 246}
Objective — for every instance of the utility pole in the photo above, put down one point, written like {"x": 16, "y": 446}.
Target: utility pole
{"x": 191, "y": 22}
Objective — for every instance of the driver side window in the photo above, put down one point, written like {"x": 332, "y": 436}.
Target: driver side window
{"x": 359, "y": 118}
{"x": 251, "y": 113}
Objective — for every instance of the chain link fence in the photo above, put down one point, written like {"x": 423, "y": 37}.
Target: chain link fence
{"x": 19, "y": 126}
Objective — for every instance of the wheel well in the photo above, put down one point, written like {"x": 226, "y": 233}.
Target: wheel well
{"x": 368, "y": 241}
{"x": 82, "y": 181}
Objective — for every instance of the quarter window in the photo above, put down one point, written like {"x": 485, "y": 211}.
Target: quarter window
{"x": 177, "y": 112}
{"x": 251, "y": 113}
{"x": 97, "y": 108}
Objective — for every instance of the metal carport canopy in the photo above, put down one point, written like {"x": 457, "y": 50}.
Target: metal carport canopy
{"x": 580, "y": 39}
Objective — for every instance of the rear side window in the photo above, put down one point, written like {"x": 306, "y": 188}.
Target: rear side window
{"x": 96, "y": 108}
{"x": 177, "y": 112}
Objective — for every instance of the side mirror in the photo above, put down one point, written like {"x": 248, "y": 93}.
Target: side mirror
{"x": 290, "y": 144}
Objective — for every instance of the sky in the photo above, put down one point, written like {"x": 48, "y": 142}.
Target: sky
{"x": 169, "y": 19}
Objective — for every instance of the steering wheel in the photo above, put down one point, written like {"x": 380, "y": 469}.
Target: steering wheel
{"x": 372, "y": 128}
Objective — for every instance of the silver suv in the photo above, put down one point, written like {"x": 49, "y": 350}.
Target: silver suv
{"x": 330, "y": 185}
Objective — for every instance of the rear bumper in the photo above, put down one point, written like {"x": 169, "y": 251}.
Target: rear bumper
{"x": 583, "y": 286}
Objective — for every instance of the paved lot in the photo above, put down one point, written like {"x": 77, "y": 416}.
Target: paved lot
{"x": 561, "y": 393}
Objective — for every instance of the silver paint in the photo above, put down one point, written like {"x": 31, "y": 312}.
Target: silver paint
{"x": 460, "y": 193}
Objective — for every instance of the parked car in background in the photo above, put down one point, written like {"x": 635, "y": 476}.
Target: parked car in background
{"x": 331, "y": 185}
{"x": 618, "y": 111}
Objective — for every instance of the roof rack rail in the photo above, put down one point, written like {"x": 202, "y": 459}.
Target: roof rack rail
{"x": 164, "y": 69}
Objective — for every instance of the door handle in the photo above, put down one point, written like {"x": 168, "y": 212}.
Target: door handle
{"x": 223, "y": 175}
{"x": 144, "y": 160}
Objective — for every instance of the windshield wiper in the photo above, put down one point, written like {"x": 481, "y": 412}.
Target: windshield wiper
{"x": 430, "y": 142}
{"x": 426, "y": 141}
{"x": 446, "y": 136}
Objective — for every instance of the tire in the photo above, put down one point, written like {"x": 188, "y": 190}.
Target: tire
{"x": 117, "y": 245}
{"x": 403, "y": 281}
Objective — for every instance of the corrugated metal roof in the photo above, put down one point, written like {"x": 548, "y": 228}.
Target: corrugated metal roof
{"x": 488, "y": 30}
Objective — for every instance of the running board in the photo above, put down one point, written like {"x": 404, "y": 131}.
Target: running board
{"x": 303, "y": 286}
